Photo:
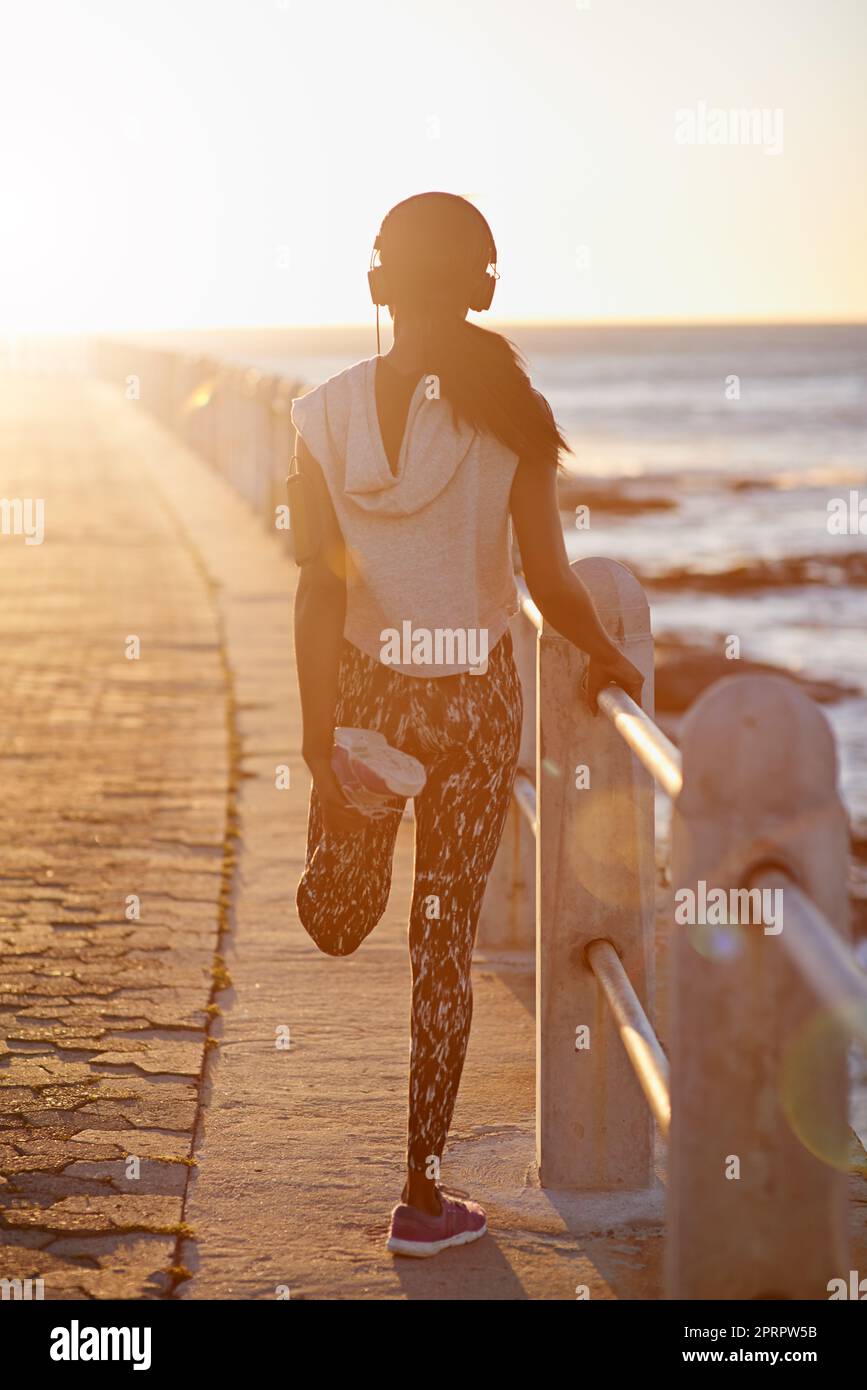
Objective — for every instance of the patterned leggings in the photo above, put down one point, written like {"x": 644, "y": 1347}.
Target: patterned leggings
{"x": 465, "y": 729}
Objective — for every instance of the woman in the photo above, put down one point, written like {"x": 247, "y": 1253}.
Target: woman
{"x": 414, "y": 463}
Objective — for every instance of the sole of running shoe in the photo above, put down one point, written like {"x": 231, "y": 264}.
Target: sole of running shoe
{"x": 423, "y": 1249}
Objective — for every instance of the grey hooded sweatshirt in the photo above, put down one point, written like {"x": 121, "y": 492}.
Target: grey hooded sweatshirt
{"x": 430, "y": 581}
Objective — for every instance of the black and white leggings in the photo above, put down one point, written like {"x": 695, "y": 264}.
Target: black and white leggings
{"x": 465, "y": 730}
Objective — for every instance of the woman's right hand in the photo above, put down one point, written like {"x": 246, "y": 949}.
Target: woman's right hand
{"x": 339, "y": 815}
{"x": 612, "y": 669}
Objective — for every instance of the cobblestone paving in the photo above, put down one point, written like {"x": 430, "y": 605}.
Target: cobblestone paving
{"x": 114, "y": 786}
{"x": 121, "y": 778}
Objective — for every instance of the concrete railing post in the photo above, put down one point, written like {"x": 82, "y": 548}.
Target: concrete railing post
{"x": 282, "y": 449}
{"x": 508, "y": 917}
{"x": 759, "y": 1138}
{"x": 595, "y": 878}
{"x": 186, "y": 387}
{"x": 253, "y": 442}
{"x": 203, "y": 409}
{"x": 228, "y": 443}
{"x": 264, "y": 448}
{"x": 244, "y": 462}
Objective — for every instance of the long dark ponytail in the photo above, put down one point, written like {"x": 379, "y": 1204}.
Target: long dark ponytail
{"x": 435, "y": 249}
{"x": 485, "y": 380}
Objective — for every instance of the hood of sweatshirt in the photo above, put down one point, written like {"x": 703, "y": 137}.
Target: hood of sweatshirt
{"x": 339, "y": 424}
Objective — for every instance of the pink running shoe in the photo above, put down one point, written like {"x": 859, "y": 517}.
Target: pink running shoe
{"x": 414, "y": 1232}
{"x": 372, "y": 773}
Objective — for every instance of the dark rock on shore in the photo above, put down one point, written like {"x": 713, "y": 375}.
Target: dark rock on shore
{"x": 789, "y": 572}
{"x": 683, "y": 671}
{"x": 608, "y": 497}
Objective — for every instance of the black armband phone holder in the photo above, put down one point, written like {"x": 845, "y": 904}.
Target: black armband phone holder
{"x": 303, "y": 515}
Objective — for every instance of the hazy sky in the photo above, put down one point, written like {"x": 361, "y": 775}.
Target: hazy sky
{"x": 178, "y": 163}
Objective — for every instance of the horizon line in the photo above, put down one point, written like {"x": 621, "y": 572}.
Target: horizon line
{"x": 626, "y": 322}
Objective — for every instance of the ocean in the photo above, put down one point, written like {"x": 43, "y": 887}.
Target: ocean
{"x": 710, "y": 455}
{"x": 739, "y": 437}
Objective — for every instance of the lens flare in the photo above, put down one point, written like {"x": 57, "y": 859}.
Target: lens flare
{"x": 807, "y": 1089}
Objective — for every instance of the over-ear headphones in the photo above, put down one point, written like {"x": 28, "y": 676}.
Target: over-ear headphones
{"x": 480, "y": 281}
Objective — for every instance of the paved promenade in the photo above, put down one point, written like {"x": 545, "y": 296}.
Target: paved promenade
{"x": 194, "y": 1102}
{"x": 115, "y": 775}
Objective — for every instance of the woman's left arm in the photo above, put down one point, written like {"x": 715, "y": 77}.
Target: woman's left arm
{"x": 320, "y": 611}
{"x": 562, "y": 598}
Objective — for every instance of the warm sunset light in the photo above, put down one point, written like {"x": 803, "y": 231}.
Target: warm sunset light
{"x": 433, "y": 695}
{"x": 175, "y": 165}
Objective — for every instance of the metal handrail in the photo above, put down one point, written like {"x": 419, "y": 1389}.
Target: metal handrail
{"x": 649, "y": 744}
{"x": 821, "y": 955}
{"x": 647, "y": 741}
{"x": 636, "y": 1031}
{"x": 819, "y": 952}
